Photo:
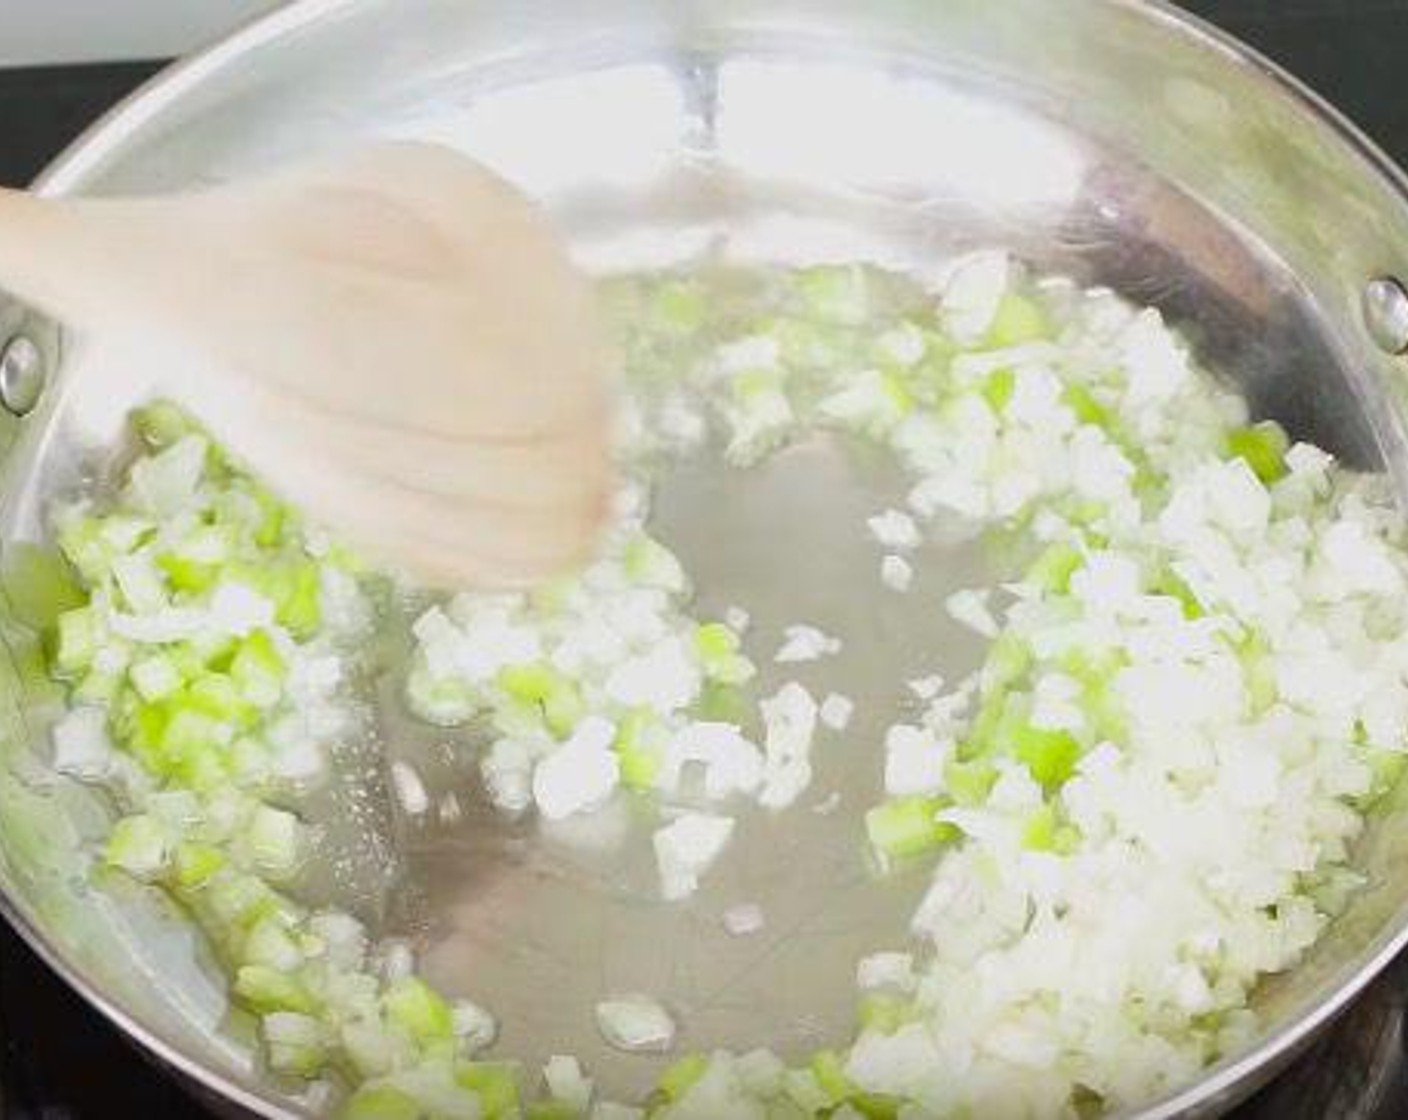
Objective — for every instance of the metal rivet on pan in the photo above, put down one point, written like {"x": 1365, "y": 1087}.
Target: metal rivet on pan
{"x": 21, "y": 375}
{"x": 1386, "y": 314}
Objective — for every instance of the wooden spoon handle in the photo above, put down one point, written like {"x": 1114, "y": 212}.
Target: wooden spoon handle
{"x": 79, "y": 260}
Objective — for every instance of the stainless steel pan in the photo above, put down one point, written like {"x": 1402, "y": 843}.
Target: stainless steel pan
{"x": 1120, "y": 142}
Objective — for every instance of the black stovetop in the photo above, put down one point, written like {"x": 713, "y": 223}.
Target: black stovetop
{"x": 59, "y": 1060}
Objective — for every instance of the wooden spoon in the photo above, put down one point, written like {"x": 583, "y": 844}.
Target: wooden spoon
{"x": 394, "y": 339}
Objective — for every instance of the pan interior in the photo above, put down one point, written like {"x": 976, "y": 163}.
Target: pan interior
{"x": 721, "y": 156}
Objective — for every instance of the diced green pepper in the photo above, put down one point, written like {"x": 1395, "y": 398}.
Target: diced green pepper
{"x": 714, "y": 640}
{"x": 680, "y": 306}
{"x": 1052, "y": 570}
{"x": 137, "y": 845}
{"x": 1050, "y": 754}
{"x": 272, "y": 836}
{"x": 1018, "y": 319}
{"x": 495, "y": 1084}
{"x": 884, "y": 1013}
{"x": 258, "y": 670}
{"x": 161, "y": 423}
{"x": 830, "y": 1073}
{"x": 218, "y": 696}
{"x": 1009, "y": 659}
{"x": 876, "y": 1106}
{"x": 79, "y": 634}
{"x": 81, "y": 541}
{"x": 294, "y": 587}
{"x": 997, "y": 388}
{"x": 969, "y": 783}
{"x": 1262, "y": 447}
{"x": 717, "y": 648}
{"x": 266, "y": 989}
{"x": 1081, "y": 401}
{"x": 1039, "y": 831}
{"x": 558, "y": 696}
{"x": 896, "y": 392}
{"x": 382, "y": 1102}
{"x": 680, "y": 1077}
{"x": 235, "y": 902}
{"x": 195, "y": 864}
{"x": 412, "y": 1004}
{"x": 273, "y": 517}
{"x": 271, "y": 944}
{"x": 296, "y": 1044}
{"x": 184, "y": 574}
{"x": 531, "y": 682}
{"x": 908, "y": 826}
{"x": 638, "y": 748}
{"x": 301, "y": 611}
{"x": 188, "y": 730}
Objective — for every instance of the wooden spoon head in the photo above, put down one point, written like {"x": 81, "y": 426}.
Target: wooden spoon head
{"x": 402, "y": 347}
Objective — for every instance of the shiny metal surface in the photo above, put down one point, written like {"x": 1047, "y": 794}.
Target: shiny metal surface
{"x": 1386, "y": 313}
{"x": 21, "y": 375}
{"x": 1116, "y": 142}
{"x": 1356, "y": 1071}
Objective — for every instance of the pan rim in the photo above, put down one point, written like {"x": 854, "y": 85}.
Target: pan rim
{"x": 68, "y": 173}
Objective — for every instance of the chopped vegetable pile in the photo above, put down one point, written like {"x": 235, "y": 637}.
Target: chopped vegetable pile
{"x": 1142, "y": 802}
{"x": 206, "y": 664}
